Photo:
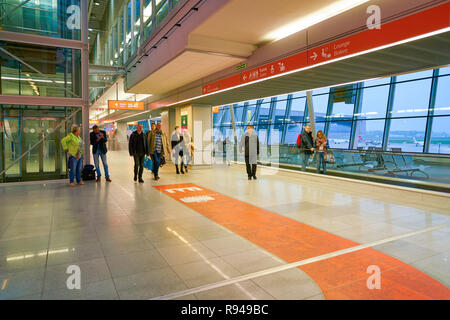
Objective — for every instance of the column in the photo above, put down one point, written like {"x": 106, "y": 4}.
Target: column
{"x": 202, "y": 135}
{"x": 85, "y": 80}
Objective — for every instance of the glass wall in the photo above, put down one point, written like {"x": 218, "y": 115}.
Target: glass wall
{"x": 407, "y": 113}
{"x": 53, "y": 18}
{"x": 59, "y": 71}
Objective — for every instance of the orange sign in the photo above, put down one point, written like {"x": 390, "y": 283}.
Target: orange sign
{"x": 94, "y": 122}
{"x": 126, "y": 105}
{"x": 215, "y": 109}
{"x": 424, "y": 22}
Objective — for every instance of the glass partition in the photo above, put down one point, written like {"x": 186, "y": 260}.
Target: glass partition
{"x": 53, "y": 18}
{"x": 405, "y": 114}
{"x": 60, "y": 71}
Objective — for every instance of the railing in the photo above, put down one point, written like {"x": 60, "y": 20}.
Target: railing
{"x": 371, "y": 163}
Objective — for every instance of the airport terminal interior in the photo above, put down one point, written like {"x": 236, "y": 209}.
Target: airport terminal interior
{"x": 224, "y": 150}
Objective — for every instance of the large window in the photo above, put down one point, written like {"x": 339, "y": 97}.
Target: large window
{"x": 279, "y": 111}
{"x": 407, "y": 134}
{"x": 442, "y": 104}
{"x": 374, "y": 99}
{"x": 440, "y": 136}
{"x": 395, "y": 113}
{"x": 369, "y": 133}
{"x": 412, "y": 98}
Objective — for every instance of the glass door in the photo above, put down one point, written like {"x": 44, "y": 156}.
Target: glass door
{"x": 43, "y": 161}
{"x": 10, "y": 139}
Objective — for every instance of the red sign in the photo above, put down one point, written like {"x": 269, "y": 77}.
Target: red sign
{"x": 421, "y": 23}
{"x": 126, "y": 105}
{"x": 211, "y": 87}
{"x": 294, "y": 62}
{"x": 409, "y": 27}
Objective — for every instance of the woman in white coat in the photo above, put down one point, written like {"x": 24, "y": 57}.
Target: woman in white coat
{"x": 186, "y": 147}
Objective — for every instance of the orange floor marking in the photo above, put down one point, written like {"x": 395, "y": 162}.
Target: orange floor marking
{"x": 341, "y": 277}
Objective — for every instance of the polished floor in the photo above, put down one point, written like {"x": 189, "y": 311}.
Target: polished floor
{"x": 139, "y": 241}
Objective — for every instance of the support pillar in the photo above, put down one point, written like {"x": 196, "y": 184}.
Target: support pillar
{"x": 202, "y": 135}
{"x": 312, "y": 118}
{"x": 85, "y": 80}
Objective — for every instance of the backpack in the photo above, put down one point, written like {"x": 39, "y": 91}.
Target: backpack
{"x": 299, "y": 140}
{"x": 88, "y": 173}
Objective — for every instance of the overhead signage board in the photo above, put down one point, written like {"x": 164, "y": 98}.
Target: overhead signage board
{"x": 126, "y": 105}
{"x": 409, "y": 27}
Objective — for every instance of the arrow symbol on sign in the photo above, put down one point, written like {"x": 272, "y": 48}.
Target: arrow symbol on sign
{"x": 314, "y": 56}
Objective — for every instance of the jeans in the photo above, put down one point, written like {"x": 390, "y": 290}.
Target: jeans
{"x": 139, "y": 165}
{"x": 305, "y": 159}
{"x": 75, "y": 168}
{"x": 97, "y": 164}
{"x": 156, "y": 162}
{"x": 321, "y": 161}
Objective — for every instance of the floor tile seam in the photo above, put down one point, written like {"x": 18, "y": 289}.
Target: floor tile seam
{"x": 292, "y": 265}
{"x": 106, "y": 262}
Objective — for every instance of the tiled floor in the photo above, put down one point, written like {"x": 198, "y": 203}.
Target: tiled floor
{"x": 131, "y": 241}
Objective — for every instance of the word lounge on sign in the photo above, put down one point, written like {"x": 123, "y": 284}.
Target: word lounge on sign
{"x": 126, "y": 105}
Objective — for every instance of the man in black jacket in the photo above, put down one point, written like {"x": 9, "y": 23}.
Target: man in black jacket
{"x": 98, "y": 141}
{"x": 307, "y": 146}
{"x": 138, "y": 148}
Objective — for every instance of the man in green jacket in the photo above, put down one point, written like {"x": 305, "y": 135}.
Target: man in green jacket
{"x": 73, "y": 145}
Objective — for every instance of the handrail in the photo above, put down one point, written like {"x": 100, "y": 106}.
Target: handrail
{"x": 39, "y": 142}
{"x": 415, "y": 154}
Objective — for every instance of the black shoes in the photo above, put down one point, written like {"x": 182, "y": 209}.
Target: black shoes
{"x": 140, "y": 180}
{"x": 249, "y": 178}
{"x": 178, "y": 171}
{"x": 185, "y": 168}
{"x": 254, "y": 177}
{"x": 156, "y": 178}
{"x": 135, "y": 179}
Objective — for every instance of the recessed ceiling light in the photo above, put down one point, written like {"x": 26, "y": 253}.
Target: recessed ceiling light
{"x": 96, "y": 3}
{"x": 337, "y": 7}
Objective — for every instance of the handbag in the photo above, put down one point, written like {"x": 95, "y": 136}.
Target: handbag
{"x": 148, "y": 164}
{"x": 330, "y": 158}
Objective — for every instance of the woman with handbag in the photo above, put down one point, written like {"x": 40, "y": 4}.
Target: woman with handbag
{"x": 321, "y": 144}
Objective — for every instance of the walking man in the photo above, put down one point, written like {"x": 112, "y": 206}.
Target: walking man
{"x": 138, "y": 148}
{"x": 251, "y": 143}
{"x": 307, "y": 146}
{"x": 98, "y": 141}
{"x": 158, "y": 146}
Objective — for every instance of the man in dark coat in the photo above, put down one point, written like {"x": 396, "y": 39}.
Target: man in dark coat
{"x": 138, "y": 148}
{"x": 307, "y": 146}
{"x": 251, "y": 143}
{"x": 98, "y": 141}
